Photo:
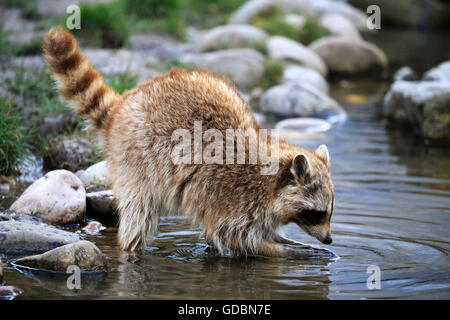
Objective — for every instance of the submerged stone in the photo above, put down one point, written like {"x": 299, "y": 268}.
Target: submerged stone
{"x": 83, "y": 254}
{"x": 28, "y": 238}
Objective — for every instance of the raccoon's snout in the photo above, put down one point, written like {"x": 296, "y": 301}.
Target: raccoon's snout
{"x": 327, "y": 240}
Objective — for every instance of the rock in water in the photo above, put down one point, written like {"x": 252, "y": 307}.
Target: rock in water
{"x": 232, "y": 36}
{"x": 70, "y": 153}
{"x": 244, "y": 67}
{"x": 94, "y": 227}
{"x": 346, "y": 55}
{"x": 58, "y": 198}
{"x": 29, "y": 238}
{"x": 424, "y": 104}
{"x": 292, "y": 100}
{"x": 102, "y": 203}
{"x": 307, "y": 125}
{"x": 9, "y": 292}
{"x": 405, "y": 73}
{"x": 439, "y": 73}
{"x": 293, "y": 52}
{"x": 83, "y": 254}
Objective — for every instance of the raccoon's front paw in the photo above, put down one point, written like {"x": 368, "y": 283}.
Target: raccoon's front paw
{"x": 301, "y": 251}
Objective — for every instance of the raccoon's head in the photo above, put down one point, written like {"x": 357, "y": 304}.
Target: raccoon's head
{"x": 306, "y": 193}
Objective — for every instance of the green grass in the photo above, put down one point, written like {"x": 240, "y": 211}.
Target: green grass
{"x": 121, "y": 82}
{"x": 11, "y": 48}
{"x": 273, "y": 72}
{"x": 274, "y": 24}
{"x": 104, "y": 25}
{"x": 13, "y": 139}
{"x": 173, "y": 16}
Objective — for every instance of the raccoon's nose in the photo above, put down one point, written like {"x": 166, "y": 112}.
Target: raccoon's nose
{"x": 327, "y": 240}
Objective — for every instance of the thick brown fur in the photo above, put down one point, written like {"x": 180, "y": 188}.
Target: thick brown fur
{"x": 240, "y": 210}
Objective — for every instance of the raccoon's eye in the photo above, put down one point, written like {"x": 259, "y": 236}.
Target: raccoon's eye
{"x": 313, "y": 217}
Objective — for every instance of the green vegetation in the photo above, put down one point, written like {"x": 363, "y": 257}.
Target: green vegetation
{"x": 11, "y": 48}
{"x": 13, "y": 139}
{"x": 28, "y": 8}
{"x": 272, "y": 73}
{"x": 273, "y": 22}
{"x": 121, "y": 82}
{"x": 103, "y": 24}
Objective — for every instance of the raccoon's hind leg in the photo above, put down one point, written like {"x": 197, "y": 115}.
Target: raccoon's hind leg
{"x": 138, "y": 219}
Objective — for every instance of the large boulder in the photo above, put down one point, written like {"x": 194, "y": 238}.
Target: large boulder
{"x": 232, "y": 36}
{"x": 293, "y": 100}
{"x": 305, "y": 75}
{"x": 293, "y": 52}
{"x": 346, "y": 55}
{"x": 58, "y": 198}
{"x": 339, "y": 25}
{"x": 83, "y": 254}
{"x": 425, "y": 105}
{"x": 69, "y": 153}
{"x": 439, "y": 73}
{"x": 244, "y": 67}
{"x": 250, "y": 9}
{"x": 29, "y": 238}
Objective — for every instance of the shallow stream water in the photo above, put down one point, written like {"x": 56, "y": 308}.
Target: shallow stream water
{"x": 392, "y": 211}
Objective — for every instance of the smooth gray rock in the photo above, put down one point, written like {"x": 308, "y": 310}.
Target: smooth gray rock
{"x": 83, "y": 254}
{"x": 339, "y": 25}
{"x": 233, "y": 36}
{"x": 293, "y": 52}
{"x": 244, "y": 67}
{"x": 425, "y": 105}
{"x": 94, "y": 227}
{"x": 346, "y": 55}
{"x": 96, "y": 175}
{"x": 307, "y": 125}
{"x": 305, "y": 75}
{"x": 294, "y": 100}
{"x": 250, "y": 9}
{"x": 29, "y": 238}
{"x": 439, "y": 73}
{"x": 405, "y": 73}
{"x": 58, "y": 198}
{"x": 317, "y": 8}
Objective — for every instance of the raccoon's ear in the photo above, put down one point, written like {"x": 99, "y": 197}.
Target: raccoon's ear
{"x": 301, "y": 167}
{"x": 322, "y": 152}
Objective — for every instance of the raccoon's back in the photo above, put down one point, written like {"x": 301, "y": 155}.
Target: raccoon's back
{"x": 178, "y": 99}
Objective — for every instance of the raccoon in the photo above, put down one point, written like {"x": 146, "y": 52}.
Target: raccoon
{"x": 241, "y": 211}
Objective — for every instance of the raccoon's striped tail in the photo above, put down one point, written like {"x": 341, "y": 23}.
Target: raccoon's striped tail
{"x": 80, "y": 84}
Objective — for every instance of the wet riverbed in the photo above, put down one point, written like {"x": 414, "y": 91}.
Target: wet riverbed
{"x": 392, "y": 211}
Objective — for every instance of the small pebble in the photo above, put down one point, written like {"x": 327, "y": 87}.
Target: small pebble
{"x": 9, "y": 292}
{"x": 93, "y": 227}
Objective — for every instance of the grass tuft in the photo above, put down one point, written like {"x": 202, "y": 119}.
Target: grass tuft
{"x": 13, "y": 139}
